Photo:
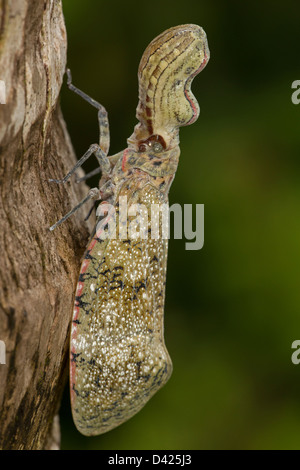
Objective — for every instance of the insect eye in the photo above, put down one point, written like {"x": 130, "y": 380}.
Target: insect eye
{"x": 157, "y": 147}
{"x": 154, "y": 143}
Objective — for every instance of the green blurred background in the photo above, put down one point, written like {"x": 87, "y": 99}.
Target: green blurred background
{"x": 232, "y": 308}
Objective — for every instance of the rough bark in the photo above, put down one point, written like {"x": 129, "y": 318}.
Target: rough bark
{"x": 38, "y": 268}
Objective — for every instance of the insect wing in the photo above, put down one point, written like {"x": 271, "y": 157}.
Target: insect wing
{"x": 118, "y": 355}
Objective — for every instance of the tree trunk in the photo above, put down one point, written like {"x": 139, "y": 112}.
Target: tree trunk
{"x": 38, "y": 268}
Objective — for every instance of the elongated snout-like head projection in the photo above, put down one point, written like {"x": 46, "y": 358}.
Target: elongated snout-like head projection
{"x": 166, "y": 71}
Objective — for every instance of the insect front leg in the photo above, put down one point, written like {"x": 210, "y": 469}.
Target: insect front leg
{"x": 112, "y": 160}
{"x": 99, "y": 150}
{"x": 104, "y": 137}
{"x": 103, "y": 160}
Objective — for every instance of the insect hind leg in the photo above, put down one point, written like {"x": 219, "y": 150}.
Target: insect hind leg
{"x": 102, "y": 114}
{"x": 93, "y": 193}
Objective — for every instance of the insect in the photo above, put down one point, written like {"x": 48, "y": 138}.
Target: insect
{"x": 118, "y": 357}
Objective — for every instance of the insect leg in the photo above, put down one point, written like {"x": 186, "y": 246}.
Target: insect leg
{"x": 112, "y": 159}
{"x": 93, "y": 193}
{"x": 102, "y": 114}
{"x": 103, "y": 161}
{"x": 106, "y": 193}
{"x": 90, "y": 211}
{"x": 89, "y": 175}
